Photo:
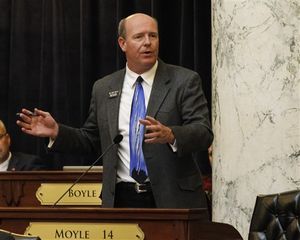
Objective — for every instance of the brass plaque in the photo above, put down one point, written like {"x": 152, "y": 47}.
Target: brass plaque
{"x": 80, "y": 194}
{"x": 91, "y": 231}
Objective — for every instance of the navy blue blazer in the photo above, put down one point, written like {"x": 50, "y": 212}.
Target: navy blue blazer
{"x": 25, "y": 162}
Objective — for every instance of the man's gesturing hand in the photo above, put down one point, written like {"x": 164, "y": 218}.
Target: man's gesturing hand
{"x": 38, "y": 123}
{"x": 157, "y": 132}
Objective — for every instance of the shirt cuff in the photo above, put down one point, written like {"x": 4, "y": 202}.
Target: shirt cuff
{"x": 174, "y": 146}
{"x": 51, "y": 142}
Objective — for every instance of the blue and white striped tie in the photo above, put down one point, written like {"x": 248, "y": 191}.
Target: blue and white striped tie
{"x": 138, "y": 169}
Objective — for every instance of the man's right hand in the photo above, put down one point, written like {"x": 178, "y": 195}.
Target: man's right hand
{"x": 39, "y": 123}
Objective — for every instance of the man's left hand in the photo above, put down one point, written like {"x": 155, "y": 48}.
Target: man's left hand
{"x": 157, "y": 132}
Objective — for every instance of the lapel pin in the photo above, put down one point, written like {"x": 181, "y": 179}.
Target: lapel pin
{"x": 113, "y": 94}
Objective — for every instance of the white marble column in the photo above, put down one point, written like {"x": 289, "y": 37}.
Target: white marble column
{"x": 256, "y": 104}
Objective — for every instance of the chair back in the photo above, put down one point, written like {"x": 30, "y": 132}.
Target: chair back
{"x": 5, "y": 235}
{"x": 276, "y": 217}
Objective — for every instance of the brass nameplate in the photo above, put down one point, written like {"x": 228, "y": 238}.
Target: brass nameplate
{"x": 80, "y": 194}
{"x": 91, "y": 231}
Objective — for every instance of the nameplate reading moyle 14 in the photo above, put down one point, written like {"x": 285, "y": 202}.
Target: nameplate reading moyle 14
{"x": 80, "y": 194}
{"x": 91, "y": 231}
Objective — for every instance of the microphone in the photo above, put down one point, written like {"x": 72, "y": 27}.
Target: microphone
{"x": 117, "y": 139}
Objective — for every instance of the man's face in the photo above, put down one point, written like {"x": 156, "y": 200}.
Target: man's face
{"x": 141, "y": 43}
{"x": 4, "y": 145}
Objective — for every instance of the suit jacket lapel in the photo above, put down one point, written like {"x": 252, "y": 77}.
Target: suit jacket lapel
{"x": 113, "y": 102}
{"x": 160, "y": 89}
{"x": 12, "y": 165}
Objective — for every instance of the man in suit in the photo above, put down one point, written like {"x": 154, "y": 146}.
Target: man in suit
{"x": 176, "y": 125}
{"x": 16, "y": 161}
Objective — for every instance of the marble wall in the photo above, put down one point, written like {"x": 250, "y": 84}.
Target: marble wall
{"x": 256, "y": 104}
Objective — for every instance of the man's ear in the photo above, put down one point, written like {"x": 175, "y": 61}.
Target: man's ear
{"x": 8, "y": 140}
{"x": 122, "y": 43}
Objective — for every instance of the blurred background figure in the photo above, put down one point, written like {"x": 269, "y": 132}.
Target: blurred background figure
{"x": 16, "y": 161}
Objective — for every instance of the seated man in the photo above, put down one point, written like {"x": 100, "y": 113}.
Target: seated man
{"x": 13, "y": 161}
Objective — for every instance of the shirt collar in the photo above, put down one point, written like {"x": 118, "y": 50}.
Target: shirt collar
{"x": 147, "y": 76}
{"x": 5, "y": 164}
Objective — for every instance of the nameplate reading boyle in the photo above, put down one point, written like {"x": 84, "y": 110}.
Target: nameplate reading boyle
{"x": 83, "y": 231}
{"x": 80, "y": 194}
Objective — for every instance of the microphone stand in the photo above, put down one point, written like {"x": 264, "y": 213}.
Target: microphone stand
{"x": 116, "y": 140}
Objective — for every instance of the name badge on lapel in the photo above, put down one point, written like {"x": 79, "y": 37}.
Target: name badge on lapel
{"x": 113, "y": 94}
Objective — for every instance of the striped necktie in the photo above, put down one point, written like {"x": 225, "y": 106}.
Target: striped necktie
{"x": 138, "y": 170}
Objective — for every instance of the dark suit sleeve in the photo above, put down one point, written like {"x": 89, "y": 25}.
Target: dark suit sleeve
{"x": 195, "y": 132}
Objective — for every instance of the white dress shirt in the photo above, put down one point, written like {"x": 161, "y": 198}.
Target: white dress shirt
{"x": 4, "y": 165}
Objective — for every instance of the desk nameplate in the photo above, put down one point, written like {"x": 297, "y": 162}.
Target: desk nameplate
{"x": 90, "y": 231}
{"x": 80, "y": 194}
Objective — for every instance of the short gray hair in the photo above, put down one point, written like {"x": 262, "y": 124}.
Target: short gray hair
{"x": 121, "y": 28}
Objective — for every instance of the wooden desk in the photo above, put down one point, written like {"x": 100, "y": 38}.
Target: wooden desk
{"x": 156, "y": 224}
{"x": 19, "y": 188}
{"x": 19, "y": 207}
